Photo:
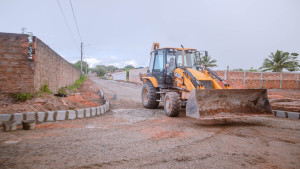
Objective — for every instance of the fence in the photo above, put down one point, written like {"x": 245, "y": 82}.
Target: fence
{"x": 119, "y": 76}
{"x": 269, "y": 80}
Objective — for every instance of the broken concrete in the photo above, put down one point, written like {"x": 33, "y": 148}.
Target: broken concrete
{"x": 10, "y": 126}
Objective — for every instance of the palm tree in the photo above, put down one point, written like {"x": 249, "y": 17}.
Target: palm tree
{"x": 279, "y": 61}
{"x": 207, "y": 61}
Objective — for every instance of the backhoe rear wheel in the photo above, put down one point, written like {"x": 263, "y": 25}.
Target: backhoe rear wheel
{"x": 149, "y": 96}
{"x": 172, "y": 104}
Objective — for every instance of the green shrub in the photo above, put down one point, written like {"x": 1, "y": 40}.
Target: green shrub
{"x": 62, "y": 91}
{"x": 22, "y": 96}
{"x": 45, "y": 89}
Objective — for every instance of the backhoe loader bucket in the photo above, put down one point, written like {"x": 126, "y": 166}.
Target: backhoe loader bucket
{"x": 228, "y": 103}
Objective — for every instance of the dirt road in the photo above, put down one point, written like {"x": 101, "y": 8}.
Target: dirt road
{"x": 130, "y": 136}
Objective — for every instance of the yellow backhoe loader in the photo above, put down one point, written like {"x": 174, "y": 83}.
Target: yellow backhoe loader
{"x": 177, "y": 79}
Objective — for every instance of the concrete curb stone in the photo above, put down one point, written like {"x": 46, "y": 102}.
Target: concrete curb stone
{"x": 279, "y": 113}
{"x": 50, "y": 116}
{"x": 80, "y": 113}
{"x": 87, "y": 112}
{"x": 93, "y": 111}
{"x": 102, "y": 109}
{"x": 18, "y": 117}
{"x": 61, "y": 115}
{"x": 293, "y": 115}
{"x": 98, "y": 111}
{"x": 40, "y": 117}
{"x": 29, "y": 116}
{"x": 4, "y": 118}
{"x": 71, "y": 114}
{"x": 286, "y": 114}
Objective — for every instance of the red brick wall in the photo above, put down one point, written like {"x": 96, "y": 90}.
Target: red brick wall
{"x": 252, "y": 79}
{"x": 17, "y": 74}
{"x": 15, "y": 71}
{"x": 269, "y": 79}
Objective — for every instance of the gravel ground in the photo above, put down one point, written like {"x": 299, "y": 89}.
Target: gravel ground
{"x": 129, "y": 136}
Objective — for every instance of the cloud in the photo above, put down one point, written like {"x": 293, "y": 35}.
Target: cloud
{"x": 109, "y": 60}
{"x": 115, "y": 64}
{"x": 123, "y": 63}
{"x": 112, "y": 57}
{"x": 92, "y": 61}
{"x": 130, "y": 62}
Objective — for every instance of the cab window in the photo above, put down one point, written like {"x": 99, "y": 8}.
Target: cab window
{"x": 159, "y": 62}
{"x": 151, "y": 62}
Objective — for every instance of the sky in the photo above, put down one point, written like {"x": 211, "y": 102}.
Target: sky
{"x": 238, "y": 34}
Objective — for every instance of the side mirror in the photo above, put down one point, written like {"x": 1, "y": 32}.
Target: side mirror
{"x": 167, "y": 65}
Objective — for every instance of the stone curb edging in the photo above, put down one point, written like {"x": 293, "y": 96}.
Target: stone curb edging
{"x": 58, "y": 115}
{"x": 286, "y": 114}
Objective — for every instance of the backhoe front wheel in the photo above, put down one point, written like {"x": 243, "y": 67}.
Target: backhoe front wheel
{"x": 149, "y": 96}
{"x": 172, "y": 104}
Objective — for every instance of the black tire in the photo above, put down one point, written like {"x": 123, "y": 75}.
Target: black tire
{"x": 149, "y": 96}
{"x": 172, "y": 104}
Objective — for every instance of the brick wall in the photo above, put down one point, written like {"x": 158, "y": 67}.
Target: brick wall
{"x": 252, "y": 79}
{"x": 19, "y": 74}
{"x": 267, "y": 80}
{"x": 15, "y": 71}
{"x": 52, "y": 69}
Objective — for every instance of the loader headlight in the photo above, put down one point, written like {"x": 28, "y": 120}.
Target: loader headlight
{"x": 177, "y": 75}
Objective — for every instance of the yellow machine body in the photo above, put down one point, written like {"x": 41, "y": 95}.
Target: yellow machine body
{"x": 210, "y": 100}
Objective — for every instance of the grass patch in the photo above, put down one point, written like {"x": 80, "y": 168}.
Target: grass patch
{"x": 45, "y": 89}
{"x": 22, "y": 96}
{"x": 77, "y": 83}
{"x": 62, "y": 91}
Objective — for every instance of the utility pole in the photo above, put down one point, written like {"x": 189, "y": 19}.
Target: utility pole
{"x": 86, "y": 65}
{"x": 81, "y": 59}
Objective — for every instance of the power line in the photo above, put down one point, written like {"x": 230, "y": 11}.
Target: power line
{"x": 75, "y": 20}
{"x": 65, "y": 19}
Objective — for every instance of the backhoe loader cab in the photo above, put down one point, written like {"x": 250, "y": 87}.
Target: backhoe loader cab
{"x": 164, "y": 61}
{"x": 176, "y": 79}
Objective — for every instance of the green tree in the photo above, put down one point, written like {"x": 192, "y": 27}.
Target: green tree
{"x": 279, "y": 61}
{"x": 128, "y": 67}
{"x": 207, "y": 61}
{"x": 111, "y": 68}
{"x": 84, "y": 64}
{"x": 238, "y": 69}
{"x": 100, "y": 70}
{"x": 252, "y": 70}
{"x": 296, "y": 65}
